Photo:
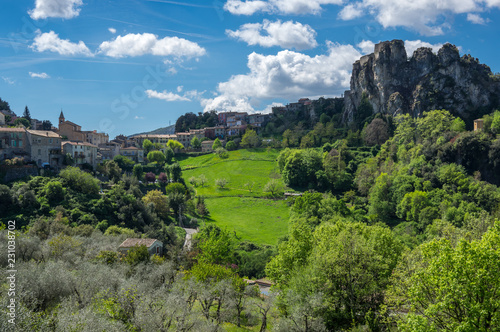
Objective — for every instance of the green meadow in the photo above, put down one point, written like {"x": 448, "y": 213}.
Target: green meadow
{"x": 249, "y": 212}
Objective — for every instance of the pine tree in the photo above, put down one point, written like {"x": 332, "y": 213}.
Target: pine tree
{"x": 26, "y": 114}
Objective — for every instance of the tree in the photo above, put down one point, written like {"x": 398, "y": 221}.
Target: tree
{"x": 27, "y": 114}
{"x": 175, "y": 145}
{"x": 217, "y": 144}
{"x": 163, "y": 179}
{"x": 450, "y": 288}
{"x": 376, "y": 133}
{"x": 113, "y": 171}
{"x": 150, "y": 177}
{"x": 230, "y": 146}
{"x": 169, "y": 154}
{"x": 159, "y": 201}
{"x": 138, "y": 171}
{"x": 196, "y": 143}
{"x": 250, "y": 139}
{"x": 495, "y": 124}
{"x": 22, "y": 121}
{"x": 274, "y": 187}
{"x": 216, "y": 245}
{"x": 175, "y": 172}
{"x": 137, "y": 254}
{"x": 80, "y": 181}
{"x": 54, "y": 192}
{"x": 222, "y": 153}
{"x": 46, "y": 125}
{"x": 221, "y": 183}
{"x": 202, "y": 179}
{"x": 124, "y": 163}
{"x": 156, "y": 156}
{"x": 147, "y": 145}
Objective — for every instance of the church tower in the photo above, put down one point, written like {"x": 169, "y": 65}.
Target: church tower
{"x": 61, "y": 117}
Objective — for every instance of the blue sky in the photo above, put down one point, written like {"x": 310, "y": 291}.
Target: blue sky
{"x": 127, "y": 66}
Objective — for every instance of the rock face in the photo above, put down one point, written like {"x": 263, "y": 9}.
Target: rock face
{"x": 394, "y": 84}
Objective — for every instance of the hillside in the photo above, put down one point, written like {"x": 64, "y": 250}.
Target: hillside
{"x": 170, "y": 130}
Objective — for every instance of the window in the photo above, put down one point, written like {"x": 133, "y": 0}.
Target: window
{"x": 13, "y": 143}
{"x": 39, "y": 151}
{"x": 158, "y": 250}
{"x": 50, "y": 140}
{"x": 20, "y": 144}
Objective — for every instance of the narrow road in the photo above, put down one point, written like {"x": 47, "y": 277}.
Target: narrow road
{"x": 189, "y": 234}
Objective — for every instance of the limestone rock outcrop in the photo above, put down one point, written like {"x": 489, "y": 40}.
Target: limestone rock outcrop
{"x": 395, "y": 84}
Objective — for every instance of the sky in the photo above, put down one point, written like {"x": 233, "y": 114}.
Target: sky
{"x": 129, "y": 66}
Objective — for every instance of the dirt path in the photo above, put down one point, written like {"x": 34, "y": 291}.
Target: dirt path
{"x": 189, "y": 235}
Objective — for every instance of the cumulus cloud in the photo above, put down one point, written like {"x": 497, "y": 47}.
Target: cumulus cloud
{"x": 8, "y": 80}
{"x": 427, "y": 17}
{"x": 165, "y": 95}
{"x": 112, "y": 30}
{"x": 147, "y": 43}
{"x": 286, "y": 75}
{"x": 286, "y": 35}
{"x": 283, "y": 7}
{"x": 55, "y": 8}
{"x": 412, "y": 45}
{"x": 350, "y": 12}
{"x": 367, "y": 46}
{"x": 39, "y": 75}
{"x": 50, "y": 41}
{"x": 476, "y": 19}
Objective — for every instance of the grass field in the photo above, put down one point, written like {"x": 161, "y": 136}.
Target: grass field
{"x": 261, "y": 221}
{"x": 248, "y": 213}
{"x": 255, "y": 166}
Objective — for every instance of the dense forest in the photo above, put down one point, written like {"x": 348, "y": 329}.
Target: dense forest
{"x": 395, "y": 228}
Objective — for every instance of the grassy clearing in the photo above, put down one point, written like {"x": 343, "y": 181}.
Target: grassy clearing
{"x": 261, "y": 221}
{"x": 244, "y": 154}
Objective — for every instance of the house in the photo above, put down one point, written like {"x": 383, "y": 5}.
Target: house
{"x": 109, "y": 150}
{"x": 236, "y": 131}
{"x": 184, "y": 139}
{"x": 162, "y": 139}
{"x": 45, "y": 148}
{"x": 155, "y": 247}
{"x": 93, "y": 137}
{"x": 206, "y": 146}
{"x": 215, "y": 132}
{"x": 200, "y": 133}
{"x": 82, "y": 152}
{"x": 133, "y": 153}
{"x": 478, "y": 124}
{"x": 14, "y": 142}
{"x": 237, "y": 119}
{"x": 70, "y": 130}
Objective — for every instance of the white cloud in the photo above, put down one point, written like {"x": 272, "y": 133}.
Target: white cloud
{"x": 50, "y": 41}
{"x": 165, "y": 95}
{"x": 8, "y": 80}
{"x": 283, "y": 7}
{"x": 147, "y": 43}
{"x": 476, "y": 19}
{"x": 39, "y": 75}
{"x": 412, "y": 45}
{"x": 179, "y": 88}
{"x": 366, "y": 46}
{"x": 350, "y": 12}
{"x": 287, "y": 75}
{"x": 428, "y": 17}
{"x": 139, "y": 117}
{"x": 286, "y": 35}
{"x": 112, "y": 30}
{"x": 55, "y": 8}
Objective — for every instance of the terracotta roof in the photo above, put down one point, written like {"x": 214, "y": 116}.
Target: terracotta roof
{"x": 129, "y": 243}
{"x": 131, "y": 148}
{"x": 44, "y": 133}
{"x": 79, "y": 143}
{"x": 12, "y": 130}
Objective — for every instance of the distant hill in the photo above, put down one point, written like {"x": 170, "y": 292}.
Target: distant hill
{"x": 170, "y": 130}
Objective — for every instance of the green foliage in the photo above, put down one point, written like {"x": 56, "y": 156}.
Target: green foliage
{"x": 124, "y": 163}
{"x": 169, "y": 154}
{"x": 137, "y": 254}
{"x": 250, "y": 139}
{"x": 301, "y": 167}
{"x": 221, "y": 153}
{"x": 159, "y": 201}
{"x": 22, "y": 121}
{"x": 116, "y": 230}
{"x": 80, "y": 181}
{"x": 113, "y": 171}
{"x": 231, "y": 146}
{"x": 217, "y": 144}
{"x": 195, "y": 143}
{"x": 495, "y": 124}
{"x": 147, "y": 145}
{"x": 216, "y": 245}
{"x": 107, "y": 257}
{"x": 221, "y": 183}
{"x": 156, "y": 156}
{"x": 54, "y": 192}
{"x": 450, "y": 287}
{"x": 138, "y": 171}
{"x": 175, "y": 145}
{"x": 274, "y": 187}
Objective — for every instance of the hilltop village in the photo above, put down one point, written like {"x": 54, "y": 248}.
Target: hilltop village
{"x": 48, "y": 147}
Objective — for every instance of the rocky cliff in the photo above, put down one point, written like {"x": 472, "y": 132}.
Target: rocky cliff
{"x": 395, "y": 84}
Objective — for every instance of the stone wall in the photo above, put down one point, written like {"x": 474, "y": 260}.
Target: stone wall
{"x": 12, "y": 173}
